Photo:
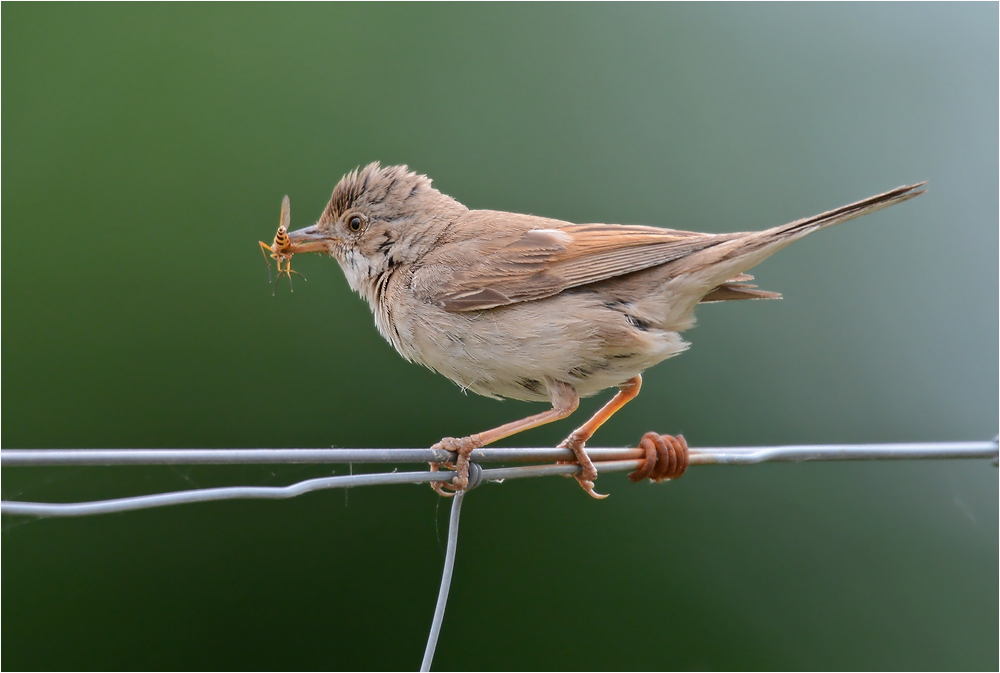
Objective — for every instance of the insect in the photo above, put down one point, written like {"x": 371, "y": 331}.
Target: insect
{"x": 281, "y": 247}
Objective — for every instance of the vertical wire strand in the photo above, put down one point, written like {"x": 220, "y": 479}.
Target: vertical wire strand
{"x": 449, "y": 568}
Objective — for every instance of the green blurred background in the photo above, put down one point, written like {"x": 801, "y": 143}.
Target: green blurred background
{"x": 146, "y": 150}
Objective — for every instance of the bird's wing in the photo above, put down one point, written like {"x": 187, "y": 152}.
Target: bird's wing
{"x": 544, "y": 261}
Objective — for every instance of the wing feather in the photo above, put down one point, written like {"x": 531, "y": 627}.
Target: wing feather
{"x": 543, "y": 262}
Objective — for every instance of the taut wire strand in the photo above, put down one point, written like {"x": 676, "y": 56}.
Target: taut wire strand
{"x": 606, "y": 460}
{"x": 44, "y": 457}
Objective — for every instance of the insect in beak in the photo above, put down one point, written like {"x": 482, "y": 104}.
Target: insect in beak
{"x": 285, "y": 245}
{"x": 281, "y": 247}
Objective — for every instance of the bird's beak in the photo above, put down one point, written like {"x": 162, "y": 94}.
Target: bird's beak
{"x": 311, "y": 239}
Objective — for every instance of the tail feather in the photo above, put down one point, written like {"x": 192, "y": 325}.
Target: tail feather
{"x": 744, "y": 251}
{"x": 802, "y": 227}
{"x": 736, "y": 291}
{"x": 749, "y": 249}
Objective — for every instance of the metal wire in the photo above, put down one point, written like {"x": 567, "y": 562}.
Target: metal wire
{"x": 726, "y": 455}
{"x": 449, "y": 568}
{"x": 281, "y": 492}
{"x": 606, "y": 460}
{"x": 42, "y": 457}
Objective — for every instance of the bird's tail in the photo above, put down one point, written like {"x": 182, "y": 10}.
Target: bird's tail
{"x": 799, "y": 228}
{"x": 744, "y": 251}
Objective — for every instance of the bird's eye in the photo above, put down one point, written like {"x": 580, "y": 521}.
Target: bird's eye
{"x": 354, "y": 223}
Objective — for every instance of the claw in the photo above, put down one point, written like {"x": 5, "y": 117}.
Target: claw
{"x": 585, "y": 477}
{"x": 438, "y": 486}
{"x": 588, "y": 486}
{"x": 464, "y": 448}
{"x": 439, "y": 489}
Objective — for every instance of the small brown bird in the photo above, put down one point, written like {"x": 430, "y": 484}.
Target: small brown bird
{"x": 530, "y": 308}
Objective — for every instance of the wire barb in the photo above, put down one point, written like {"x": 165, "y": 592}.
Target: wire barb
{"x": 666, "y": 458}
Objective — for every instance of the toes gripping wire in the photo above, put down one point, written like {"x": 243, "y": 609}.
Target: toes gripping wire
{"x": 446, "y": 490}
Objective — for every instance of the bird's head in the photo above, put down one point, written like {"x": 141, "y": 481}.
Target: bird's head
{"x": 378, "y": 218}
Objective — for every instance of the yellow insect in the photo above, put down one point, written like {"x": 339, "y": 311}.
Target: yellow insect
{"x": 281, "y": 247}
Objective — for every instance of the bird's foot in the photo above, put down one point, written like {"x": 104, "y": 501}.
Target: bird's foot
{"x": 464, "y": 448}
{"x": 587, "y": 473}
{"x": 666, "y": 458}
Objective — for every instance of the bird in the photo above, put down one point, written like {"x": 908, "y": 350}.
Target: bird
{"x": 531, "y": 308}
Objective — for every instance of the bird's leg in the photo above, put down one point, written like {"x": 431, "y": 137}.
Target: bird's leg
{"x": 564, "y": 402}
{"x": 578, "y": 438}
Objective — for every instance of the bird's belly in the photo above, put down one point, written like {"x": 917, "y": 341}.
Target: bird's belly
{"x": 512, "y": 351}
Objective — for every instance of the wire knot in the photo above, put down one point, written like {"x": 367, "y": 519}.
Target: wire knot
{"x": 666, "y": 458}
{"x": 475, "y": 475}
